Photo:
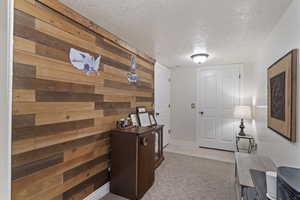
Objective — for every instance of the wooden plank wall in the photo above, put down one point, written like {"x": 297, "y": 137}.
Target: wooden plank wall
{"x": 60, "y": 115}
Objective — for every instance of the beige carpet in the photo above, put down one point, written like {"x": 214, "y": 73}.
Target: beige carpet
{"x": 183, "y": 177}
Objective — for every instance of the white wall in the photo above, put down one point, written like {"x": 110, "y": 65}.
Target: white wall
{"x": 284, "y": 37}
{"x": 6, "y": 10}
{"x": 184, "y": 93}
{"x": 247, "y": 84}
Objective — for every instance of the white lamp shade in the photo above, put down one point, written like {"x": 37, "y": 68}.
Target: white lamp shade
{"x": 242, "y": 112}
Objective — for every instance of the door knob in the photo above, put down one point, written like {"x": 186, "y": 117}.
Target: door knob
{"x": 157, "y": 114}
{"x": 201, "y": 112}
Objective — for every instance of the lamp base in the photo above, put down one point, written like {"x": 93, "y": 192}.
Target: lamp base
{"x": 242, "y": 127}
{"x": 242, "y": 133}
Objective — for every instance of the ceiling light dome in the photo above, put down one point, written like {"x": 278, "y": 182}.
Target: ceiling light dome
{"x": 200, "y": 58}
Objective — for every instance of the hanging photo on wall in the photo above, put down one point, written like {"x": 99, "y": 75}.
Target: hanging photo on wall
{"x": 132, "y": 76}
{"x": 84, "y": 61}
{"x": 282, "y": 93}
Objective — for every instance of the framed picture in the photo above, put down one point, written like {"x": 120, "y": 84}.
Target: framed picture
{"x": 140, "y": 109}
{"x": 152, "y": 120}
{"x": 282, "y": 93}
{"x": 134, "y": 119}
{"x": 144, "y": 119}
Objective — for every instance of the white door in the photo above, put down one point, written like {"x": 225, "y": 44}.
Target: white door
{"x": 218, "y": 91}
{"x": 162, "y": 99}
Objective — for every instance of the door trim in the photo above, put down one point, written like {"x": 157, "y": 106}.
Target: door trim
{"x": 239, "y": 67}
{"x": 6, "y": 59}
{"x": 163, "y": 68}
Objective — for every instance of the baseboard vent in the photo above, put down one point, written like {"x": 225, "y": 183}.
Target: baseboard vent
{"x": 99, "y": 193}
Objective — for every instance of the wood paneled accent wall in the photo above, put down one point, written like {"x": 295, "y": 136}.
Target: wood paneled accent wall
{"x": 61, "y": 116}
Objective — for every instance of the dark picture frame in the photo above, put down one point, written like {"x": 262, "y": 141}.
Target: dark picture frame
{"x": 141, "y": 109}
{"x": 134, "y": 119}
{"x": 144, "y": 119}
{"x": 152, "y": 119}
{"x": 282, "y": 94}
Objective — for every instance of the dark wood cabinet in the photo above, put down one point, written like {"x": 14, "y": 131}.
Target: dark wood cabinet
{"x": 135, "y": 155}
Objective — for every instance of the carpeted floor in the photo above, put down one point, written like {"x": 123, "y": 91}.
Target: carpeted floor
{"x": 183, "y": 177}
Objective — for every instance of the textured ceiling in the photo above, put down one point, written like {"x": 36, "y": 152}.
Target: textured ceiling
{"x": 231, "y": 31}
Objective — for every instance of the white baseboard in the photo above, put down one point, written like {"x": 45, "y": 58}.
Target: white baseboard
{"x": 184, "y": 143}
{"x": 99, "y": 193}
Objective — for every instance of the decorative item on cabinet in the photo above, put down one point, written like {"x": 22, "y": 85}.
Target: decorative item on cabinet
{"x": 134, "y": 119}
{"x": 134, "y": 159}
{"x": 124, "y": 123}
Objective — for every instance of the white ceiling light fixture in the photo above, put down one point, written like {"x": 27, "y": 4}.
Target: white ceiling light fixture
{"x": 200, "y": 58}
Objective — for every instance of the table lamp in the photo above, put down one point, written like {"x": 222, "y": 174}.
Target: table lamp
{"x": 242, "y": 112}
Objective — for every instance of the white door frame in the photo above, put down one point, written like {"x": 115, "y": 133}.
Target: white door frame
{"x": 238, "y": 66}
{"x": 163, "y": 68}
{"x": 6, "y": 59}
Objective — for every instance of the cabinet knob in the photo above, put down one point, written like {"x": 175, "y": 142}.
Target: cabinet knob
{"x": 144, "y": 141}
